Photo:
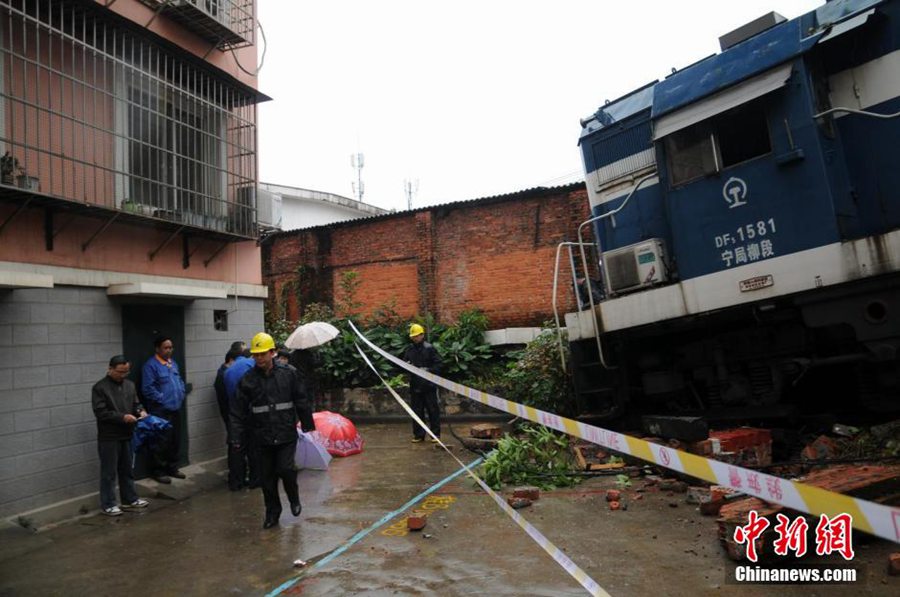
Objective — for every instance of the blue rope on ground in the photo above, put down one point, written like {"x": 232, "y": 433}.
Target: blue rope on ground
{"x": 360, "y": 535}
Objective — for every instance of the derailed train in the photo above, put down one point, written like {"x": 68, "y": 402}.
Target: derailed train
{"x": 746, "y": 213}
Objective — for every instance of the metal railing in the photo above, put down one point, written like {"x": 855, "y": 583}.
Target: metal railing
{"x": 559, "y": 338}
{"x": 581, "y": 244}
{"x": 94, "y": 113}
{"x": 226, "y": 23}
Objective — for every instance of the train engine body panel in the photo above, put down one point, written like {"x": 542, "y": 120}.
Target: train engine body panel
{"x": 748, "y": 220}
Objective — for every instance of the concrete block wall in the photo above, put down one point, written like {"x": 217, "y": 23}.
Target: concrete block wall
{"x": 205, "y": 349}
{"x": 54, "y": 345}
{"x": 495, "y": 254}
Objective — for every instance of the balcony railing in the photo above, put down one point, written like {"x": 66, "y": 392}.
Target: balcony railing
{"x": 227, "y": 23}
{"x": 91, "y": 113}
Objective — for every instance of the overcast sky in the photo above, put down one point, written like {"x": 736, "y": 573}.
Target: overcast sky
{"x": 470, "y": 98}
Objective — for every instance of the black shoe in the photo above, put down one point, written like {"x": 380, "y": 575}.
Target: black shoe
{"x": 161, "y": 479}
{"x": 270, "y": 522}
{"x": 296, "y": 508}
{"x": 177, "y": 474}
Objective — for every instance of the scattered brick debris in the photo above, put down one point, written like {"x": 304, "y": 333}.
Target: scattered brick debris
{"x": 416, "y": 523}
{"x": 822, "y": 448}
{"x": 518, "y": 502}
{"x": 894, "y": 564}
{"x": 527, "y": 492}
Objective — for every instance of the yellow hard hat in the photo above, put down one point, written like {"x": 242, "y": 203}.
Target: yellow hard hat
{"x": 262, "y": 342}
{"x": 415, "y": 330}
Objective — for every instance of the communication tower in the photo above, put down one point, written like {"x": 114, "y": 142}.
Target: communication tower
{"x": 357, "y": 161}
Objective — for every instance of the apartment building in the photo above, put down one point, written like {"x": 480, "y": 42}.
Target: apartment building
{"x": 128, "y": 155}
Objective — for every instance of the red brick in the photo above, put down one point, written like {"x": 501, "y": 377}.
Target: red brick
{"x": 613, "y": 495}
{"x": 518, "y": 502}
{"x": 894, "y": 564}
{"x": 530, "y": 493}
{"x": 417, "y": 522}
{"x": 496, "y": 255}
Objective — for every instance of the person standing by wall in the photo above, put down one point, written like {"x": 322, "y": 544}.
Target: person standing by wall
{"x": 163, "y": 391}
{"x": 422, "y": 393}
{"x": 307, "y": 361}
{"x": 270, "y": 400}
{"x": 243, "y": 461}
{"x": 117, "y": 409}
{"x": 219, "y": 384}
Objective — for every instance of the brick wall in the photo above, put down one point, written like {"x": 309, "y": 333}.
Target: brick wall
{"x": 496, "y": 254}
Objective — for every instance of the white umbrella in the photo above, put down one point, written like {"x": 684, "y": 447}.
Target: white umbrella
{"x": 310, "y": 453}
{"x": 312, "y": 334}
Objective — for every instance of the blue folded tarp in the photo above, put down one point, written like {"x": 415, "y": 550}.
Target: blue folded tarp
{"x": 149, "y": 430}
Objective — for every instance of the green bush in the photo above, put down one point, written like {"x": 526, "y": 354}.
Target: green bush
{"x": 533, "y": 376}
{"x": 540, "y": 457}
{"x": 537, "y": 378}
{"x": 460, "y": 345}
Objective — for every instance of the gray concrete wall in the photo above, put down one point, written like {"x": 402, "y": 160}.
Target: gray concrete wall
{"x": 205, "y": 349}
{"x": 54, "y": 345}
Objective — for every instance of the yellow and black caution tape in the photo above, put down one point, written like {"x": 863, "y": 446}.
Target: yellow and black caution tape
{"x": 876, "y": 519}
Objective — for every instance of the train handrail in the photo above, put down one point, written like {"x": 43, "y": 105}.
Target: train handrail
{"x": 570, "y": 244}
{"x": 855, "y": 111}
{"x": 608, "y": 214}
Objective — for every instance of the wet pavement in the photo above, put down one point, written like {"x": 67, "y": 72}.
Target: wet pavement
{"x": 213, "y": 543}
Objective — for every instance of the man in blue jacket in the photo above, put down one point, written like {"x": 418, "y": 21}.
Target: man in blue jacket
{"x": 163, "y": 391}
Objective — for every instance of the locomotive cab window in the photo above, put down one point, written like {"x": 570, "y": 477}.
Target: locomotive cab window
{"x": 733, "y": 137}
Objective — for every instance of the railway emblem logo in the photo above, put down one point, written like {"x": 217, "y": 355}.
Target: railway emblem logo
{"x": 735, "y": 192}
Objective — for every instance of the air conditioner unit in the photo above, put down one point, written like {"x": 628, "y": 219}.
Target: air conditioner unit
{"x": 215, "y": 9}
{"x": 226, "y": 22}
{"x": 635, "y": 266}
{"x": 268, "y": 208}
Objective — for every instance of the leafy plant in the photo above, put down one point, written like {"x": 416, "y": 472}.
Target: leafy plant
{"x": 345, "y": 303}
{"x": 538, "y": 379}
{"x": 540, "y": 457}
{"x": 461, "y": 346}
{"x": 623, "y": 481}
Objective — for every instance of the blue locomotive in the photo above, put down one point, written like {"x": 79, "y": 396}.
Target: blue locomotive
{"x": 746, "y": 216}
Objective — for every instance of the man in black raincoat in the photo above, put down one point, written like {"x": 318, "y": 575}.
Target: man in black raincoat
{"x": 270, "y": 400}
{"x": 423, "y": 393}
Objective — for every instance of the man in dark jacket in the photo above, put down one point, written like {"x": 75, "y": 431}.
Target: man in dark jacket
{"x": 243, "y": 461}
{"x": 219, "y": 384}
{"x": 423, "y": 393}
{"x": 164, "y": 391}
{"x": 116, "y": 406}
{"x": 270, "y": 400}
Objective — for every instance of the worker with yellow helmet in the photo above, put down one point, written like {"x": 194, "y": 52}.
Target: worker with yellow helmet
{"x": 270, "y": 400}
{"x": 423, "y": 394}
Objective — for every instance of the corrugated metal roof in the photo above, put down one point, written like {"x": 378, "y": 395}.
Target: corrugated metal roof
{"x": 527, "y": 193}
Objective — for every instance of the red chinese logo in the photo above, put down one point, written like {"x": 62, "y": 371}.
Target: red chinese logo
{"x": 791, "y": 536}
{"x": 835, "y": 535}
{"x": 750, "y": 533}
